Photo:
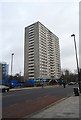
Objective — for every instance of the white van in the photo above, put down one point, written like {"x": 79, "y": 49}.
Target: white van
{"x": 4, "y": 88}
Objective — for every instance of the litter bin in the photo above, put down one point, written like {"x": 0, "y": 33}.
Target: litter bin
{"x": 76, "y": 91}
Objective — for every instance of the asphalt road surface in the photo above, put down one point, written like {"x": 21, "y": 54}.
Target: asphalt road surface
{"x": 18, "y": 104}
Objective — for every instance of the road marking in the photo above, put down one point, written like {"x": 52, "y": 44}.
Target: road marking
{"x": 13, "y": 105}
{"x": 7, "y": 95}
{"x": 0, "y": 94}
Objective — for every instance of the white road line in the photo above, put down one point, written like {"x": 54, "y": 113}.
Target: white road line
{"x": 0, "y": 94}
{"x": 13, "y": 105}
{"x": 7, "y": 95}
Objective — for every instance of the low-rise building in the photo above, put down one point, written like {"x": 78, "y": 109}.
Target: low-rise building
{"x": 4, "y": 73}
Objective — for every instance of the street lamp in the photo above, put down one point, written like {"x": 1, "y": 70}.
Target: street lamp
{"x": 73, "y": 35}
{"x": 12, "y": 62}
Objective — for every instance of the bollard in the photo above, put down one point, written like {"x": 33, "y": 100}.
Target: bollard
{"x": 76, "y": 91}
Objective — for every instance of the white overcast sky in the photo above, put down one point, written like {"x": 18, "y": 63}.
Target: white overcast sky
{"x": 62, "y": 18}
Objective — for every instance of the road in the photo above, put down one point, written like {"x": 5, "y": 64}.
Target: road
{"x": 18, "y": 104}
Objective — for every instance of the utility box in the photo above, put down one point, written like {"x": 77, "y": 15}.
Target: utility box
{"x": 76, "y": 91}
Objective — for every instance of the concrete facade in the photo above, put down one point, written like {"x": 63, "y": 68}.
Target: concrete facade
{"x": 41, "y": 53}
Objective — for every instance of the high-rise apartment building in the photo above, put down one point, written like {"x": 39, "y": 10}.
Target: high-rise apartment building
{"x": 41, "y": 53}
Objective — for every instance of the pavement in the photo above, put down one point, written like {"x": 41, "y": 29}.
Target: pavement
{"x": 66, "y": 108}
{"x": 25, "y": 88}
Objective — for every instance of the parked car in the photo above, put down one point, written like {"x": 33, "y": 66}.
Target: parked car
{"x": 71, "y": 83}
{"x": 4, "y": 88}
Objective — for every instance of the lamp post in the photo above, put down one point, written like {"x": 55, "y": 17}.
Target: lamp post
{"x": 12, "y": 62}
{"x": 79, "y": 82}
